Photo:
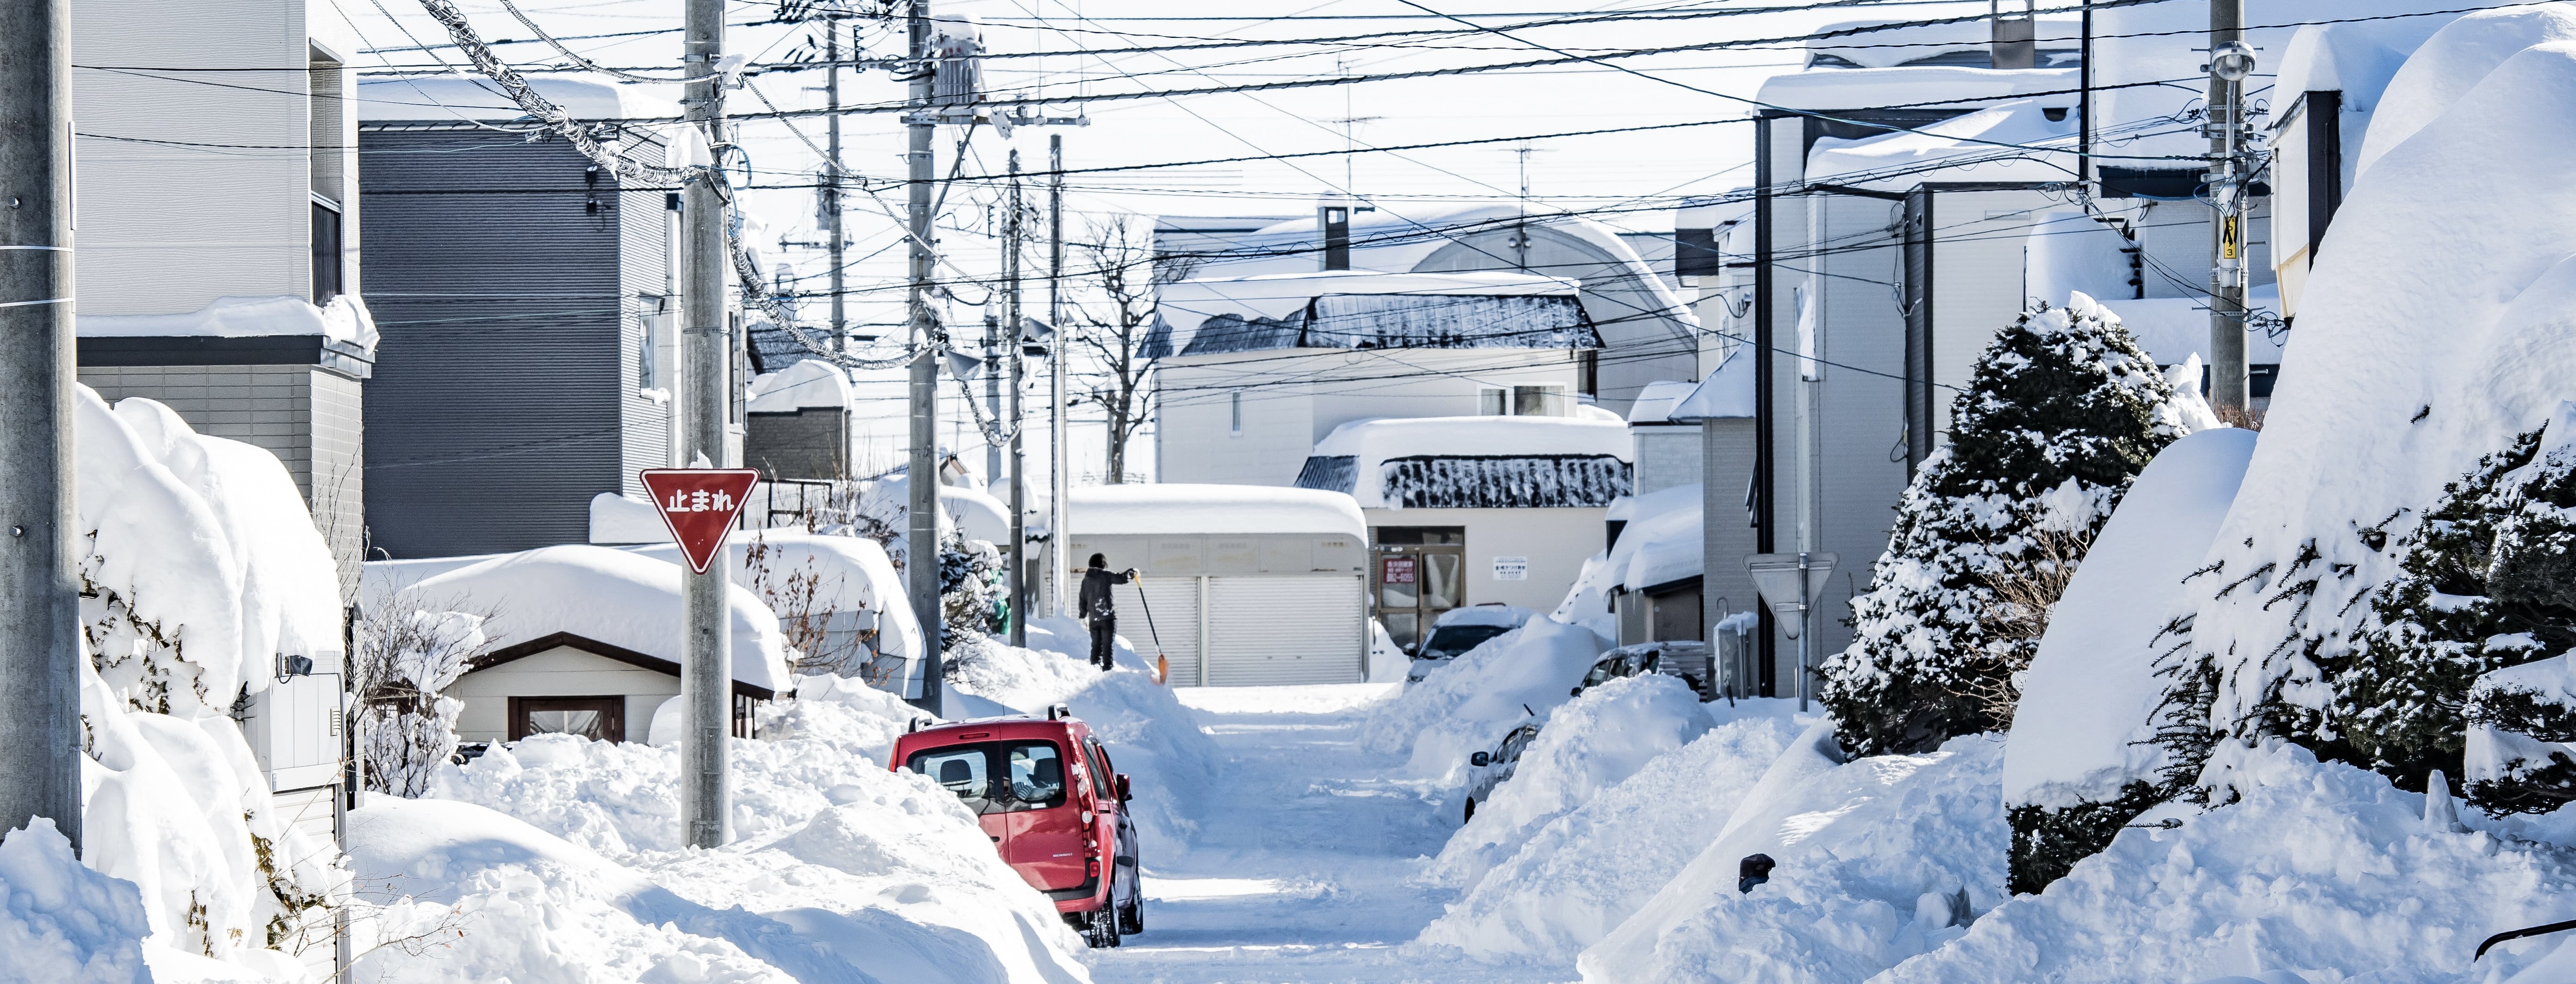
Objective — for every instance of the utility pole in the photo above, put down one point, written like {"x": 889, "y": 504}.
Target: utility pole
{"x": 1017, "y": 555}
{"x": 1059, "y": 537}
{"x": 832, "y": 174}
{"x": 39, "y": 603}
{"x": 921, "y": 534}
{"x": 992, "y": 393}
{"x": 705, "y": 364}
{"x": 2230, "y": 61}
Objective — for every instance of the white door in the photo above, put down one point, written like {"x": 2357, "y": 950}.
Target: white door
{"x": 1283, "y": 629}
{"x": 1173, "y": 604}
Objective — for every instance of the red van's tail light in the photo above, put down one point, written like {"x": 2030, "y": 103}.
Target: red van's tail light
{"x": 1091, "y": 868}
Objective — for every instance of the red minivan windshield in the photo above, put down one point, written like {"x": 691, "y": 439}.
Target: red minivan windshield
{"x": 996, "y": 776}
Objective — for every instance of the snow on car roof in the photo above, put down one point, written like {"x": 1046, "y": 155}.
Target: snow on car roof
{"x": 1180, "y": 508}
{"x": 1508, "y": 616}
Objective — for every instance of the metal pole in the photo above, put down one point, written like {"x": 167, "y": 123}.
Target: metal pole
{"x": 1059, "y": 534}
{"x": 921, "y": 534}
{"x": 832, "y": 177}
{"x": 1806, "y": 628}
{"x": 39, "y": 642}
{"x": 2227, "y": 385}
{"x": 1018, "y": 552}
{"x": 992, "y": 394}
{"x": 705, "y": 364}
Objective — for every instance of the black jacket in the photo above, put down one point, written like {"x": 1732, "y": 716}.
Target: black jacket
{"x": 1096, "y": 602}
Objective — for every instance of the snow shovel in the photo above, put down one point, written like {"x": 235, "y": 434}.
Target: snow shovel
{"x": 1162, "y": 665}
{"x": 2556, "y": 927}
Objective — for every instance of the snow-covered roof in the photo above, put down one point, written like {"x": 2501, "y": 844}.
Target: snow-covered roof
{"x": 1923, "y": 85}
{"x": 448, "y": 98}
{"x": 1655, "y": 403}
{"x": 1916, "y": 43}
{"x": 851, "y": 574}
{"x": 1727, "y": 393}
{"x": 1543, "y": 462}
{"x": 1660, "y": 543}
{"x": 611, "y": 596}
{"x": 2450, "y": 63}
{"x": 1735, "y": 205}
{"x": 344, "y": 319}
{"x": 1983, "y": 143}
{"x": 806, "y": 384}
{"x": 1191, "y": 509}
{"x": 1185, "y": 304}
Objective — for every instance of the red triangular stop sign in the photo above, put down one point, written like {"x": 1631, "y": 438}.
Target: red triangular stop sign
{"x": 699, "y": 504}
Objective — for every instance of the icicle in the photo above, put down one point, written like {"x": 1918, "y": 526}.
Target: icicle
{"x": 2441, "y": 812}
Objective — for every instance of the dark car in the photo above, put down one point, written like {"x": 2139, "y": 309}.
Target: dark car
{"x": 1487, "y": 770}
{"x": 1461, "y": 629}
{"x": 1047, "y": 794}
{"x": 1686, "y": 659}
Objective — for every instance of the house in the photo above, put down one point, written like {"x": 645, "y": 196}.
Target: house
{"x": 528, "y": 303}
{"x": 1470, "y": 510}
{"x": 1252, "y": 371}
{"x": 799, "y": 424}
{"x": 1236, "y": 586}
{"x": 587, "y": 640}
{"x": 1649, "y": 331}
{"x": 219, "y": 282}
{"x": 1669, "y": 451}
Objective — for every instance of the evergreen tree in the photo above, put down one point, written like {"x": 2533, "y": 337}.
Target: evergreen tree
{"x": 2486, "y": 581}
{"x": 2061, "y": 413}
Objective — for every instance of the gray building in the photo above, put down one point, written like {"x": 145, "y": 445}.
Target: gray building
{"x": 527, "y": 307}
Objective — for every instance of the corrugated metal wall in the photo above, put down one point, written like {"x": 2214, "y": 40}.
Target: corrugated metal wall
{"x": 498, "y": 407}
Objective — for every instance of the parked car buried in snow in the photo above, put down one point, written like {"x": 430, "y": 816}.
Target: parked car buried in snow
{"x": 1487, "y": 770}
{"x": 1461, "y": 629}
{"x": 1047, "y": 794}
{"x": 1687, "y": 659}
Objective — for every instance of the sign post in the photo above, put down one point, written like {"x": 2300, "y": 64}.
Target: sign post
{"x": 1791, "y": 583}
{"x": 698, "y": 506}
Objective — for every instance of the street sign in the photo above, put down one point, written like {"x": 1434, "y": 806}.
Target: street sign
{"x": 1776, "y": 576}
{"x": 698, "y": 505}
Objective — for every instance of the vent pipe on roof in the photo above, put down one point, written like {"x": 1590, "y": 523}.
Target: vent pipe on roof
{"x": 2016, "y": 39}
{"x": 1336, "y": 221}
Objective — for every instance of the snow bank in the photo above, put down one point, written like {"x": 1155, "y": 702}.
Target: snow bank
{"x": 2322, "y": 870}
{"x": 1468, "y": 702}
{"x": 60, "y": 921}
{"x": 1589, "y": 745}
{"x": 1582, "y": 873}
{"x": 2451, "y": 64}
{"x": 867, "y": 867}
{"x": 808, "y": 384}
{"x": 2088, "y": 701}
{"x": 1183, "y": 509}
{"x": 611, "y": 596}
{"x": 1874, "y": 856}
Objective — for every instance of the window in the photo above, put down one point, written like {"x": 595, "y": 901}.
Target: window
{"x": 326, "y": 253}
{"x": 595, "y": 718}
{"x": 1539, "y": 401}
{"x": 1234, "y": 410}
{"x": 997, "y": 777}
{"x": 1492, "y": 402}
{"x": 648, "y": 362}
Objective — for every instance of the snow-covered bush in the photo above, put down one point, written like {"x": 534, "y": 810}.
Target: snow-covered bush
{"x": 1589, "y": 745}
{"x": 1584, "y": 872}
{"x": 2062, "y": 411}
{"x": 2520, "y": 721}
{"x": 63, "y": 922}
{"x": 1879, "y": 859}
{"x": 405, "y": 660}
{"x": 970, "y": 587}
{"x": 2080, "y": 760}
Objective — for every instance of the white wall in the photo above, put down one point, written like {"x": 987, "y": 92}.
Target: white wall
{"x": 558, "y": 672}
{"x": 1556, "y": 541}
{"x": 1667, "y": 455}
{"x": 165, "y": 228}
{"x": 1292, "y": 398}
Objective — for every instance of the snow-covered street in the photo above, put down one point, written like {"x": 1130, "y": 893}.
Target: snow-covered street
{"x": 1308, "y": 859}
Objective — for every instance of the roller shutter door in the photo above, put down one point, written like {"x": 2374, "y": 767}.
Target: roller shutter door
{"x": 1175, "y": 610}
{"x": 1266, "y": 630}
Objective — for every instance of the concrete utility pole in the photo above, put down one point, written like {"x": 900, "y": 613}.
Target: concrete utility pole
{"x": 832, "y": 175}
{"x": 2230, "y": 61}
{"x": 921, "y": 534}
{"x": 1017, "y": 555}
{"x": 39, "y": 603}
{"x": 1059, "y": 538}
{"x": 707, "y": 677}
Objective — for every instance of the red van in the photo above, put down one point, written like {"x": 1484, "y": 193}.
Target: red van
{"x": 1054, "y": 805}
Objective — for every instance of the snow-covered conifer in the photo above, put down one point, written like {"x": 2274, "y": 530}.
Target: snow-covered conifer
{"x": 2062, "y": 411}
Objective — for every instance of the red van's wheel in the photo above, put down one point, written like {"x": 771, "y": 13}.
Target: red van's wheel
{"x": 1100, "y": 929}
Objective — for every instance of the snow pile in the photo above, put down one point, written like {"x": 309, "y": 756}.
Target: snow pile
{"x": 1589, "y": 745}
{"x": 869, "y": 865}
{"x": 60, "y": 921}
{"x": 1584, "y": 872}
{"x": 2435, "y": 330}
{"x": 809, "y": 384}
{"x": 1467, "y": 703}
{"x": 2322, "y": 870}
{"x": 1879, "y": 859}
{"x": 2450, "y": 65}
{"x": 611, "y": 596}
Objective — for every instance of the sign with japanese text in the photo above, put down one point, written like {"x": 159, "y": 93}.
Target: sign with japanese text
{"x": 1396, "y": 570}
{"x": 1511, "y": 568}
{"x": 698, "y": 505}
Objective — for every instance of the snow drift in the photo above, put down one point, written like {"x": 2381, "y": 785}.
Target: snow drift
{"x": 1468, "y": 702}
{"x": 62, "y": 922}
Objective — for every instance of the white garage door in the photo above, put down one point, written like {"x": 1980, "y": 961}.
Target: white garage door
{"x": 1175, "y": 609}
{"x": 1282, "y": 629}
